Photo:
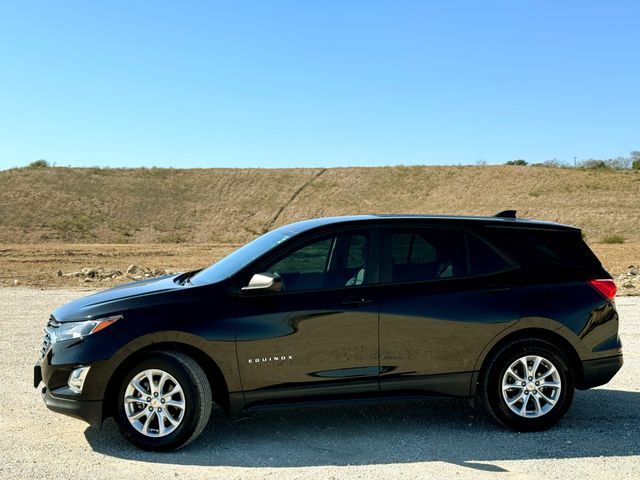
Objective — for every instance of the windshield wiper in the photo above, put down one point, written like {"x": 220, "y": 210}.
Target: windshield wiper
{"x": 185, "y": 277}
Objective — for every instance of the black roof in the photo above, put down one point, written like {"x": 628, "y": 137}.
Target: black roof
{"x": 502, "y": 220}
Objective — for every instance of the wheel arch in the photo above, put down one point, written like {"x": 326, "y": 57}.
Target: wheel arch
{"x": 532, "y": 333}
{"x": 217, "y": 382}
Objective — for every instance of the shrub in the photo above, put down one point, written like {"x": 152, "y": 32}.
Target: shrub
{"x": 618, "y": 163}
{"x": 39, "y": 164}
{"x": 594, "y": 164}
{"x": 611, "y": 239}
{"x": 555, "y": 163}
{"x": 520, "y": 162}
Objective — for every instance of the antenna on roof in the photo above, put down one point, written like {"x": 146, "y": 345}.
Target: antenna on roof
{"x": 506, "y": 214}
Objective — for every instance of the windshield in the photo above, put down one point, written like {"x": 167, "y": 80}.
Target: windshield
{"x": 237, "y": 260}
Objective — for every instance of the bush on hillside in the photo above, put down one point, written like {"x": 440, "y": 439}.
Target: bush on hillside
{"x": 611, "y": 239}
{"x": 618, "y": 163}
{"x": 39, "y": 164}
{"x": 555, "y": 163}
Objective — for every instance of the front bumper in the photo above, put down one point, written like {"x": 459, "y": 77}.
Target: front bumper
{"x": 37, "y": 375}
{"x": 599, "y": 371}
{"x": 89, "y": 411}
{"x": 64, "y": 400}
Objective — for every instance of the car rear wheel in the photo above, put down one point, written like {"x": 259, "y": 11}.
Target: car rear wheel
{"x": 528, "y": 385}
{"x": 164, "y": 402}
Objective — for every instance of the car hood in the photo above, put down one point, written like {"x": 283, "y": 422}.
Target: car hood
{"x": 143, "y": 292}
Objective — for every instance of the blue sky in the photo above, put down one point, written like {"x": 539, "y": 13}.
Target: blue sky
{"x": 331, "y": 83}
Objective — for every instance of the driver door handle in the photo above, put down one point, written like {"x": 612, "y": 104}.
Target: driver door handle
{"x": 356, "y": 301}
{"x": 495, "y": 288}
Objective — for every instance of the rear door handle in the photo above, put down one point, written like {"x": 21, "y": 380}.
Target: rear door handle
{"x": 356, "y": 301}
{"x": 495, "y": 288}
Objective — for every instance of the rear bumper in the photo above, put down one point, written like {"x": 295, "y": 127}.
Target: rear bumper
{"x": 599, "y": 371}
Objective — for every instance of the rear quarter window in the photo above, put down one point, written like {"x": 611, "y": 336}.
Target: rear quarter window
{"x": 557, "y": 246}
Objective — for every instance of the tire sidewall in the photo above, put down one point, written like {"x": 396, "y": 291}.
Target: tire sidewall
{"x": 189, "y": 421}
{"x": 497, "y": 369}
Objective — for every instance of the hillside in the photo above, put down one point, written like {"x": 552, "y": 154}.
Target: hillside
{"x": 91, "y": 205}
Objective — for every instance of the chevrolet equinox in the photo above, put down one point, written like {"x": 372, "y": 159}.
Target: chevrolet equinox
{"x": 516, "y": 313}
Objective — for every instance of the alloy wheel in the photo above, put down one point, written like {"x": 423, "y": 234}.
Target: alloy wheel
{"x": 531, "y": 386}
{"x": 154, "y": 403}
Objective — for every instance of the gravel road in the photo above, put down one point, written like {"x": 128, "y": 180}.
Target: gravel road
{"x": 438, "y": 438}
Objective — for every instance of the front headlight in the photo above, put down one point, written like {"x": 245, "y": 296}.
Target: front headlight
{"x": 70, "y": 330}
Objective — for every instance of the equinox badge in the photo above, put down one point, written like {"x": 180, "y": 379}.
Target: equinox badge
{"x": 275, "y": 358}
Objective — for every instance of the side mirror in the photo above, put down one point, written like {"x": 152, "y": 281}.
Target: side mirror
{"x": 268, "y": 282}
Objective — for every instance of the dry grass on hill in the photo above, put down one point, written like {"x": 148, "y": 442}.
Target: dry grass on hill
{"x": 234, "y": 205}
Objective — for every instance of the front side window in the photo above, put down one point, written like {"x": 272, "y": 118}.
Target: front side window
{"x": 331, "y": 262}
{"x": 311, "y": 259}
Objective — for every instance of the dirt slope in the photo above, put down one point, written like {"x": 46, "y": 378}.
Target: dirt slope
{"x": 234, "y": 205}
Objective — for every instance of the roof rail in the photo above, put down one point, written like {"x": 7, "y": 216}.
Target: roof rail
{"x": 506, "y": 214}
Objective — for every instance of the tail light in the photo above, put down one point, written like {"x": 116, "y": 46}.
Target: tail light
{"x": 606, "y": 287}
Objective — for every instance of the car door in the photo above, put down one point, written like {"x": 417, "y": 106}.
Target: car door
{"x": 318, "y": 336}
{"x": 446, "y": 294}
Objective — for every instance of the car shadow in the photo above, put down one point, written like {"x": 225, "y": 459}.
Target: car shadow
{"x": 600, "y": 423}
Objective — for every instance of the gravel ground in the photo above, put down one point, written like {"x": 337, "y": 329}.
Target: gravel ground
{"x": 438, "y": 438}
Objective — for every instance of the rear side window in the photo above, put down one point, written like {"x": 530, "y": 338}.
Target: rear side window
{"x": 483, "y": 259}
{"x": 424, "y": 254}
{"x": 412, "y": 247}
{"x": 427, "y": 254}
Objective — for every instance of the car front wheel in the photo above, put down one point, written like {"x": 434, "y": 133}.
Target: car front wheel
{"x": 528, "y": 385}
{"x": 164, "y": 402}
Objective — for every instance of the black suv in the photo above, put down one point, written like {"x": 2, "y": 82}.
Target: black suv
{"x": 514, "y": 312}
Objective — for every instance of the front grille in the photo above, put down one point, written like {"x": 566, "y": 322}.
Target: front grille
{"x": 52, "y": 324}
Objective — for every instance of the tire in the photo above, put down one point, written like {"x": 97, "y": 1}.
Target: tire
{"x": 171, "y": 413}
{"x": 547, "y": 392}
